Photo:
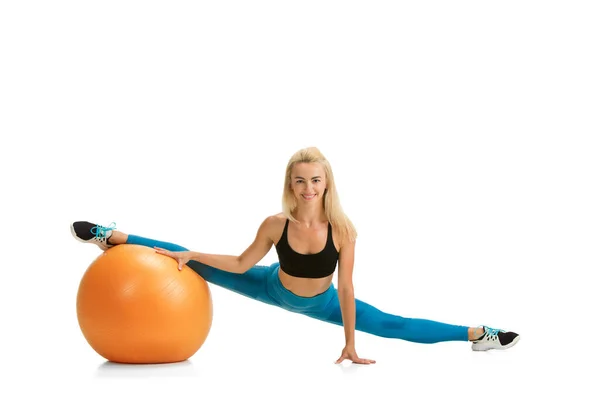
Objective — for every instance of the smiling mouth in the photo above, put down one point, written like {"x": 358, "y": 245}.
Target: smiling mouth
{"x": 309, "y": 197}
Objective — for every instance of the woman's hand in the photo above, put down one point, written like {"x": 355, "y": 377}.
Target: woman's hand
{"x": 349, "y": 353}
{"x": 182, "y": 257}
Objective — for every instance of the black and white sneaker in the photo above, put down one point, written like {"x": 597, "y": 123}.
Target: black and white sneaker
{"x": 87, "y": 232}
{"x": 495, "y": 339}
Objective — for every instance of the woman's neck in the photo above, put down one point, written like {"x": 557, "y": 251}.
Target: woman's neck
{"x": 309, "y": 216}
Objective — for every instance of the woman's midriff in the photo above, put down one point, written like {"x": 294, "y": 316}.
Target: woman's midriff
{"x": 304, "y": 287}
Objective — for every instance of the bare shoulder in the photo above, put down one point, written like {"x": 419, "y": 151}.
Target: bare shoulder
{"x": 272, "y": 226}
{"x": 275, "y": 220}
{"x": 339, "y": 241}
{"x": 279, "y": 217}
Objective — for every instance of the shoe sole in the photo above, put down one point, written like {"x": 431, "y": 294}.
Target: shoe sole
{"x": 104, "y": 248}
{"x": 508, "y": 346}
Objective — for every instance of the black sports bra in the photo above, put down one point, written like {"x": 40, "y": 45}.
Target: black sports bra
{"x": 300, "y": 265}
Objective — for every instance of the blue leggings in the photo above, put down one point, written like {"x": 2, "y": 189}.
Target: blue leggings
{"x": 262, "y": 283}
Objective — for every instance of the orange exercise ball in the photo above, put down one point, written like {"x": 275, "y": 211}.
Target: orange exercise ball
{"x": 134, "y": 306}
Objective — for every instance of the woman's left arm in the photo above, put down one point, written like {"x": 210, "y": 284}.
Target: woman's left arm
{"x": 348, "y": 303}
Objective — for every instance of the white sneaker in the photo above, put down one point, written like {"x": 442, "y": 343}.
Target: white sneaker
{"x": 87, "y": 232}
{"x": 495, "y": 339}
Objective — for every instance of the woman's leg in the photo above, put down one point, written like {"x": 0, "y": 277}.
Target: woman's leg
{"x": 251, "y": 284}
{"x": 371, "y": 320}
{"x": 326, "y": 307}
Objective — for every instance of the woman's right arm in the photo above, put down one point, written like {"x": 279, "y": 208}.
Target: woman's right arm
{"x": 251, "y": 256}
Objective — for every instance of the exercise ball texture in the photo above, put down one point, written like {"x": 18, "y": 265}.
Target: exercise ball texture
{"x": 135, "y": 306}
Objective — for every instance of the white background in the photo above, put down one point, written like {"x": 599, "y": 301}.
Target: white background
{"x": 462, "y": 137}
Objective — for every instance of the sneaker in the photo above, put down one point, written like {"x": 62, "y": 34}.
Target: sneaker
{"x": 87, "y": 232}
{"x": 495, "y": 339}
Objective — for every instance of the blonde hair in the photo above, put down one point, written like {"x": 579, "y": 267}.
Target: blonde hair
{"x": 331, "y": 201}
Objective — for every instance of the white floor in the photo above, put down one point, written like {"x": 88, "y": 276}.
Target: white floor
{"x": 463, "y": 139}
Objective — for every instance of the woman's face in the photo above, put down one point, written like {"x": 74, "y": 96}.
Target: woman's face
{"x": 308, "y": 182}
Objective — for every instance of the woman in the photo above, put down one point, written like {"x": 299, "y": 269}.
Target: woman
{"x": 312, "y": 237}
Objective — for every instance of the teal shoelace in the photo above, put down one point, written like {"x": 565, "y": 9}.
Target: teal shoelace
{"x": 492, "y": 331}
{"x": 100, "y": 231}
